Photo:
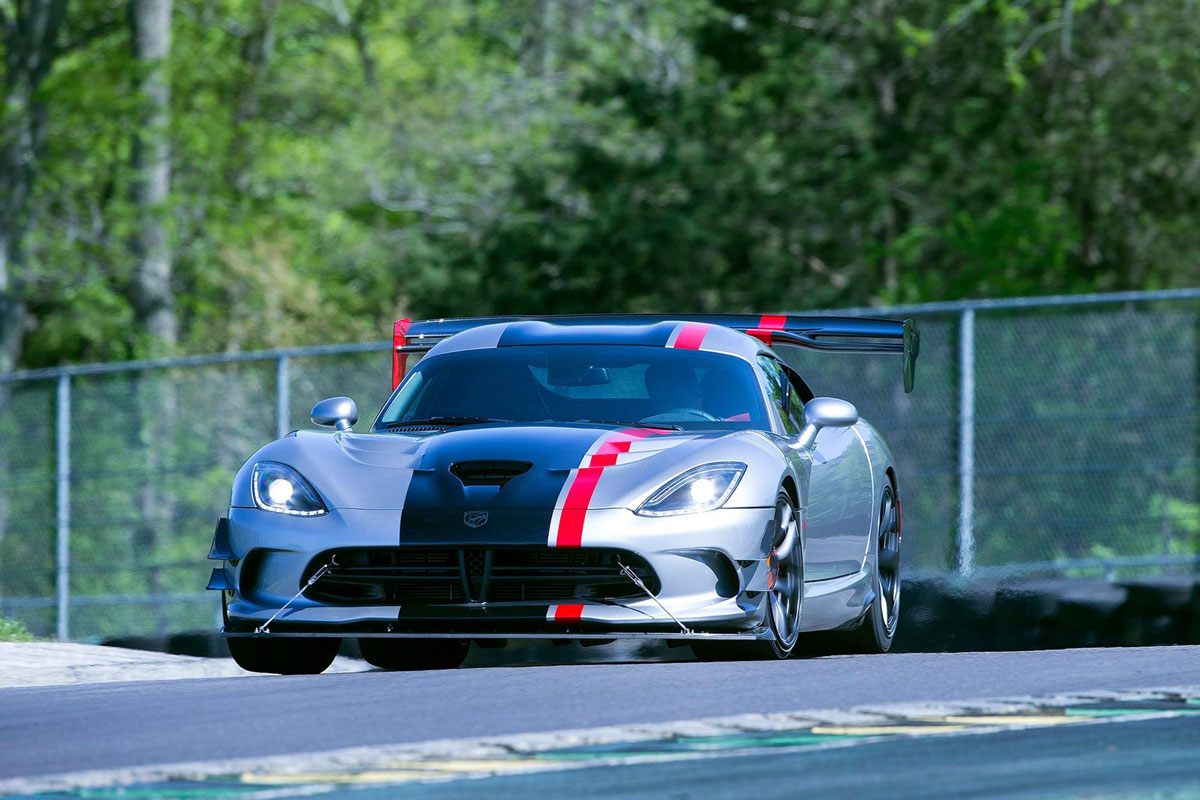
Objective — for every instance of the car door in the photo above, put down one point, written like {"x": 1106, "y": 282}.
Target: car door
{"x": 787, "y": 394}
{"x": 839, "y": 503}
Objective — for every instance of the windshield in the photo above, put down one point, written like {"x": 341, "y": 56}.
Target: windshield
{"x": 626, "y": 384}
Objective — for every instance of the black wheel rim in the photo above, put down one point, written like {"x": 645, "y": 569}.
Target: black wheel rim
{"x": 787, "y": 579}
{"x": 889, "y": 560}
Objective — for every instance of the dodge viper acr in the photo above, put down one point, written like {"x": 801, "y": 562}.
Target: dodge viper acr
{"x": 573, "y": 478}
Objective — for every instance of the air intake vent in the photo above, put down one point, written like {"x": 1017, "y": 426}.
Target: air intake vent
{"x": 488, "y": 473}
{"x": 416, "y": 575}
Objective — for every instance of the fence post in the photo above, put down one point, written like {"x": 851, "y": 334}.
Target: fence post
{"x": 63, "y": 506}
{"x": 966, "y": 442}
{"x": 283, "y": 397}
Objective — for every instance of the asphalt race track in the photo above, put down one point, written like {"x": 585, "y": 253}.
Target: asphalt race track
{"x": 45, "y": 731}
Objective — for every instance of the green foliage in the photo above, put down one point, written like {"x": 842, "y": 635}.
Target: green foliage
{"x": 336, "y": 165}
{"x": 11, "y": 631}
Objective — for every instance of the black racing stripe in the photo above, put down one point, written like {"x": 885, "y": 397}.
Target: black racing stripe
{"x": 437, "y": 502}
{"x": 532, "y": 333}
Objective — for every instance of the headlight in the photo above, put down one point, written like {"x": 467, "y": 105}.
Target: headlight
{"x": 277, "y": 487}
{"x": 701, "y": 489}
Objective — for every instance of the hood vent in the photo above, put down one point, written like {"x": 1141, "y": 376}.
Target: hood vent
{"x": 488, "y": 473}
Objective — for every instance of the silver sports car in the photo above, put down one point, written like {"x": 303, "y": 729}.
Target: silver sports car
{"x": 581, "y": 477}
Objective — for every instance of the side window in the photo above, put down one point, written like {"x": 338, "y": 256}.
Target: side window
{"x": 778, "y": 392}
{"x": 795, "y": 401}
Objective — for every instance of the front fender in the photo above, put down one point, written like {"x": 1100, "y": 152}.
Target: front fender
{"x": 629, "y": 484}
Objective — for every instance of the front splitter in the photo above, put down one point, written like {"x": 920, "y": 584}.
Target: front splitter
{"x": 747, "y": 636}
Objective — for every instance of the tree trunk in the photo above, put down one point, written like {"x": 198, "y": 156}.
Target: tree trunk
{"x": 152, "y": 294}
{"x": 29, "y": 39}
{"x": 13, "y": 314}
{"x": 257, "y": 51}
{"x": 153, "y": 299}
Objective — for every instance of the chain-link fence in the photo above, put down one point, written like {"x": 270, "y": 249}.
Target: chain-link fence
{"x": 1054, "y": 434}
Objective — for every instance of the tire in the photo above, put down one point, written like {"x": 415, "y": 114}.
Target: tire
{"x": 784, "y": 601}
{"x": 414, "y": 654}
{"x": 283, "y": 656}
{"x": 878, "y": 627}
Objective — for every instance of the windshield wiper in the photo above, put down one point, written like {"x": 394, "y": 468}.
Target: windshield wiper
{"x": 441, "y": 421}
{"x": 658, "y": 426}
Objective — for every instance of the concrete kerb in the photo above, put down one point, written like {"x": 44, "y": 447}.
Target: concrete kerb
{"x": 25, "y": 664}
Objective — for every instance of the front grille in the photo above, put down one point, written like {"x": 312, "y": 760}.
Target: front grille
{"x": 426, "y": 593}
{"x": 488, "y": 473}
{"x": 533, "y": 592}
{"x": 421, "y": 575}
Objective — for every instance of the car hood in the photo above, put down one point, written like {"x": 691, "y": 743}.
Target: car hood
{"x": 436, "y": 479}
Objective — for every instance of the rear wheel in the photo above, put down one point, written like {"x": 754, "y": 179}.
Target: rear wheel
{"x": 414, "y": 654}
{"x": 879, "y": 626}
{"x": 283, "y": 656}
{"x": 785, "y": 595}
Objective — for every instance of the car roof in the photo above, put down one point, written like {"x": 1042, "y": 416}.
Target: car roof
{"x": 679, "y": 335}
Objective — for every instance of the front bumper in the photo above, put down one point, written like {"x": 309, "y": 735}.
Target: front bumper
{"x": 709, "y": 571}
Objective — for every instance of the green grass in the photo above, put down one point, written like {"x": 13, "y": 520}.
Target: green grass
{"x": 11, "y": 631}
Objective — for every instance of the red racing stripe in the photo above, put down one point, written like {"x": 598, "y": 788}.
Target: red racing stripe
{"x": 606, "y": 456}
{"x": 766, "y": 324}
{"x": 569, "y": 529}
{"x": 570, "y": 612}
{"x": 579, "y": 497}
{"x": 691, "y": 336}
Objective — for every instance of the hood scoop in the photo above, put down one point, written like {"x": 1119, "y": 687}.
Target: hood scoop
{"x": 372, "y": 450}
{"x": 488, "y": 473}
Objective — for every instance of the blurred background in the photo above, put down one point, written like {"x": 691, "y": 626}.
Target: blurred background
{"x": 212, "y": 210}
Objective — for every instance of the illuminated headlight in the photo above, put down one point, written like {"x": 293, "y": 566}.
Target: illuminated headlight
{"x": 701, "y": 489}
{"x": 277, "y": 487}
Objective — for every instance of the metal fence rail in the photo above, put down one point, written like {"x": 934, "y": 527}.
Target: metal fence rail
{"x": 1046, "y": 435}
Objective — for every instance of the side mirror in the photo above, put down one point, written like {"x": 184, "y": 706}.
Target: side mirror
{"x": 335, "y": 412}
{"x": 825, "y": 412}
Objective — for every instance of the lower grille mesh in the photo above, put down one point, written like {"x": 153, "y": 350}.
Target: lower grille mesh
{"x": 447, "y": 576}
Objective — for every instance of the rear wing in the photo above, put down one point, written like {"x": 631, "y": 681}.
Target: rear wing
{"x": 831, "y": 334}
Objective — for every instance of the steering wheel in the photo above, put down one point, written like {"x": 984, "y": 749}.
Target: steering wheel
{"x": 674, "y": 414}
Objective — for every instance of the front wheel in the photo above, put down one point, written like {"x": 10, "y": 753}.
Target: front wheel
{"x": 284, "y": 655}
{"x": 879, "y": 626}
{"x": 414, "y": 654}
{"x": 785, "y": 595}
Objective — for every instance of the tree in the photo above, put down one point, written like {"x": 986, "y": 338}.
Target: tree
{"x": 29, "y": 30}
{"x": 153, "y": 296}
